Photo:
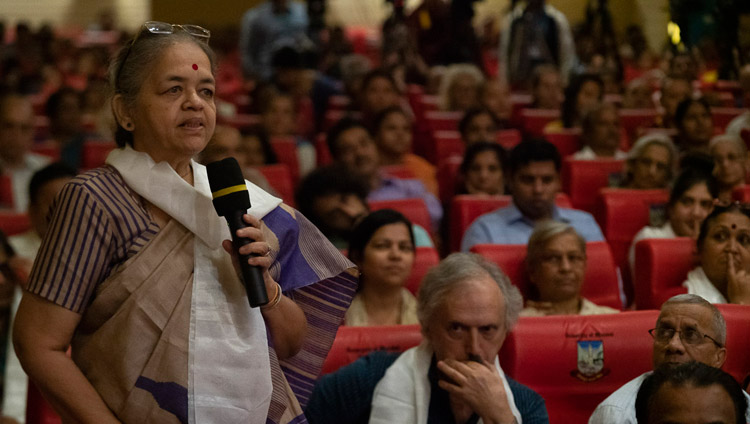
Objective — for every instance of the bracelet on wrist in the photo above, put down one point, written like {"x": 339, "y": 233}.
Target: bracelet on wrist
{"x": 273, "y": 302}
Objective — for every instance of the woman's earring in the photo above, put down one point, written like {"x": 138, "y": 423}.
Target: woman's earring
{"x": 129, "y": 125}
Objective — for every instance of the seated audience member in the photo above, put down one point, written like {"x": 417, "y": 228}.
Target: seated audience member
{"x": 392, "y": 130}
{"x": 227, "y": 142}
{"x": 637, "y": 95}
{"x": 63, "y": 109}
{"x": 689, "y": 329}
{"x": 673, "y": 91}
{"x": 731, "y": 164}
{"x": 534, "y": 180}
{"x": 482, "y": 169}
{"x": 279, "y": 120}
{"x": 466, "y": 306}
{"x": 690, "y": 202}
{"x": 546, "y": 88}
{"x": 556, "y": 266}
{"x": 459, "y": 87}
{"x": 694, "y": 124}
{"x": 478, "y": 124}
{"x": 382, "y": 247}
{"x": 351, "y": 146}
{"x": 16, "y": 138}
{"x": 583, "y": 93}
{"x": 335, "y": 201}
{"x": 256, "y": 148}
{"x": 379, "y": 91}
{"x": 600, "y": 133}
{"x": 724, "y": 253}
{"x": 650, "y": 163}
{"x": 494, "y": 95}
{"x": 690, "y": 393}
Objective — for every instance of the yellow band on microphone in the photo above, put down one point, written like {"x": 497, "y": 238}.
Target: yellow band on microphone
{"x": 229, "y": 190}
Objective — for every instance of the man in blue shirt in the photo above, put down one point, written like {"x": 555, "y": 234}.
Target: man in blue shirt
{"x": 534, "y": 170}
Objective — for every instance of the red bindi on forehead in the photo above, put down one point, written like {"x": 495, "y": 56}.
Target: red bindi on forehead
{"x": 195, "y": 67}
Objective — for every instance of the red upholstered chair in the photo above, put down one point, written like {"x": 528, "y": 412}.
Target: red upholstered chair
{"x": 448, "y": 178}
{"x": 622, "y": 214}
{"x": 661, "y": 266}
{"x": 567, "y": 140}
{"x": 38, "y": 410}
{"x": 41, "y": 127}
{"x": 280, "y": 179}
{"x": 548, "y": 354}
{"x": 447, "y": 144}
{"x": 338, "y": 102}
{"x": 600, "y": 282}
{"x": 48, "y": 149}
{"x": 6, "y": 191}
{"x": 466, "y": 208}
{"x": 442, "y": 121}
{"x": 94, "y": 153}
{"x": 738, "y": 339}
{"x": 286, "y": 152}
{"x": 742, "y": 193}
{"x": 508, "y": 138}
{"x": 722, "y": 116}
{"x": 12, "y": 223}
{"x": 414, "y": 209}
{"x": 351, "y": 343}
{"x": 582, "y": 179}
{"x": 534, "y": 120}
{"x": 426, "y": 258}
{"x": 634, "y": 120}
{"x": 322, "y": 154}
{"x": 241, "y": 120}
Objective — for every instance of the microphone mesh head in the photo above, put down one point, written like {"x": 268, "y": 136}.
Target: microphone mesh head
{"x": 227, "y": 186}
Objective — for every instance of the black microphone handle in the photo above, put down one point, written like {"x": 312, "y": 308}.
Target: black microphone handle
{"x": 252, "y": 276}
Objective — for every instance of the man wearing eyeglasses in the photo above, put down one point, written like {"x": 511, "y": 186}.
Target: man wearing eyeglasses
{"x": 689, "y": 329}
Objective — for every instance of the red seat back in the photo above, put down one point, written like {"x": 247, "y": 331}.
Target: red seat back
{"x": 442, "y": 121}
{"x": 280, "y": 179}
{"x": 241, "y": 120}
{"x": 414, "y": 209}
{"x": 94, "y": 153}
{"x": 582, "y": 179}
{"x": 548, "y": 354}
{"x": 633, "y": 121}
{"x": 48, "y": 149}
{"x": 722, "y": 116}
{"x": 448, "y": 178}
{"x": 338, "y": 102}
{"x": 322, "y": 154}
{"x": 448, "y": 144}
{"x": 286, "y": 152}
{"x": 534, "y": 120}
{"x": 661, "y": 266}
{"x": 509, "y": 138}
{"x": 38, "y": 410}
{"x": 600, "y": 282}
{"x": 351, "y": 343}
{"x": 6, "y": 191}
{"x": 466, "y": 208}
{"x": 567, "y": 140}
{"x": 424, "y": 259}
{"x": 738, "y": 339}
{"x": 12, "y": 223}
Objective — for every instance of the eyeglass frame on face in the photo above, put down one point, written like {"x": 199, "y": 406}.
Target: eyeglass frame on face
{"x": 158, "y": 27}
{"x": 666, "y": 339}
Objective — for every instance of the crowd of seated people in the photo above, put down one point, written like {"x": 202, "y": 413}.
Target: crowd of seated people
{"x": 360, "y": 134}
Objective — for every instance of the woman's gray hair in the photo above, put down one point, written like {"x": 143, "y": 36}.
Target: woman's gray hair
{"x": 728, "y": 138}
{"x": 543, "y": 233}
{"x": 648, "y": 140}
{"x": 717, "y": 319}
{"x": 457, "y": 268}
{"x": 451, "y": 73}
{"x": 140, "y": 56}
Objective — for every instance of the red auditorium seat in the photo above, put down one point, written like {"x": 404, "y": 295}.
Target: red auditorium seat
{"x": 398, "y": 171}
{"x": 280, "y": 179}
{"x": 447, "y": 144}
{"x": 286, "y": 152}
{"x": 582, "y": 179}
{"x": 6, "y": 191}
{"x": 465, "y": 208}
{"x": 722, "y": 116}
{"x": 622, "y": 214}
{"x": 351, "y": 343}
{"x": 94, "y": 153}
{"x": 634, "y": 120}
{"x": 600, "y": 282}
{"x": 48, "y": 149}
{"x": 241, "y": 120}
{"x": 567, "y": 140}
{"x": 322, "y": 154}
{"x": 534, "y": 120}
{"x": 448, "y": 178}
{"x": 738, "y": 339}
{"x": 12, "y": 223}
{"x": 548, "y": 354}
{"x": 426, "y": 258}
{"x": 742, "y": 193}
{"x": 661, "y": 266}
{"x": 414, "y": 209}
{"x": 508, "y": 138}
{"x": 338, "y": 102}
{"x": 38, "y": 410}
{"x": 443, "y": 121}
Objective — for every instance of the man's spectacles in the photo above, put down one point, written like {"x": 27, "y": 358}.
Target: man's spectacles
{"x": 689, "y": 336}
{"x": 163, "y": 28}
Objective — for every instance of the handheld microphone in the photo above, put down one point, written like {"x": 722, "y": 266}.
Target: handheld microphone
{"x": 231, "y": 200}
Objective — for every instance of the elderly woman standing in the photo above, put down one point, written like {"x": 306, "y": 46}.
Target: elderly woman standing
{"x": 134, "y": 276}
{"x": 556, "y": 266}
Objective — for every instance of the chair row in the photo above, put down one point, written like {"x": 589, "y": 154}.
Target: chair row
{"x": 574, "y": 362}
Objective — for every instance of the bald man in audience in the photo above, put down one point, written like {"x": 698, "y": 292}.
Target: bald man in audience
{"x": 689, "y": 329}
{"x": 16, "y": 138}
